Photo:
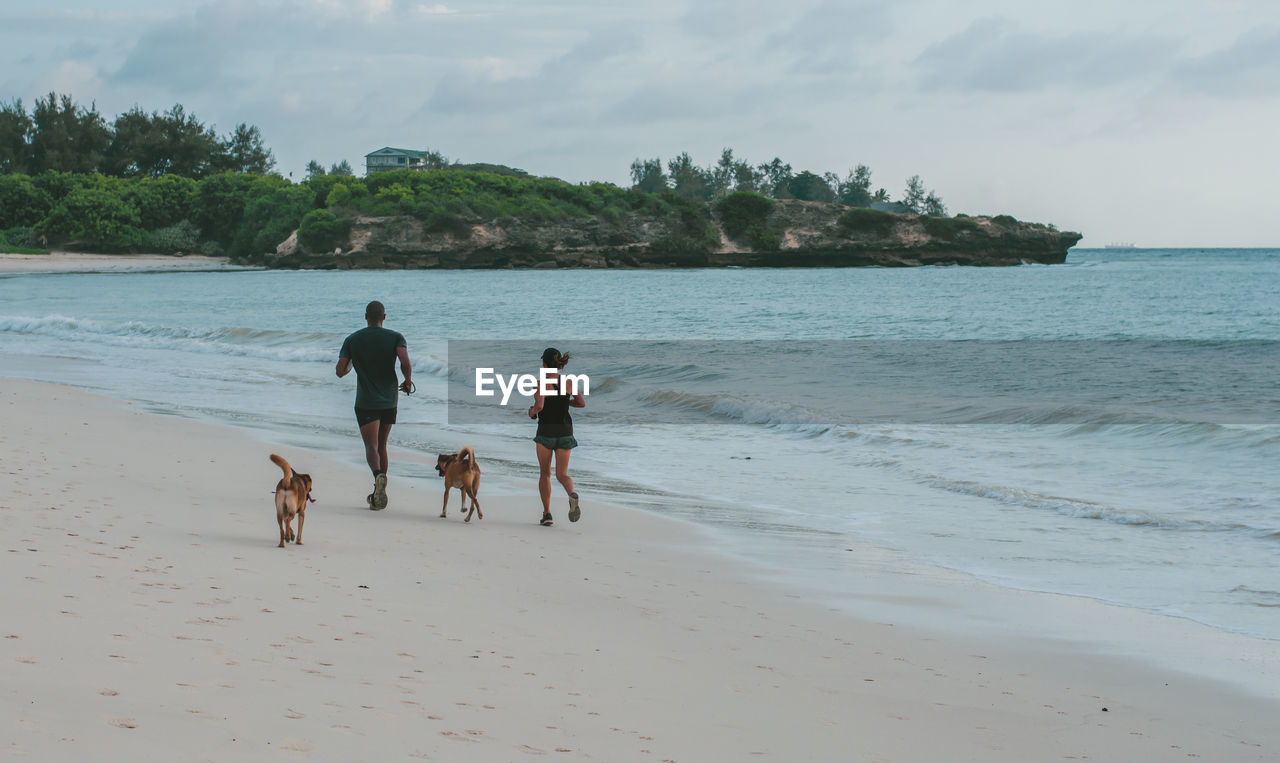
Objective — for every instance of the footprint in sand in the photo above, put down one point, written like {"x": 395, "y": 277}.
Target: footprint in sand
{"x": 109, "y": 693}
{"x": 124, "y": 723}
{"x": 297, "y": 745}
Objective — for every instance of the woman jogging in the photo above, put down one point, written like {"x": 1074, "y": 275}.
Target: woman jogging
{"x": 555, "y": 434}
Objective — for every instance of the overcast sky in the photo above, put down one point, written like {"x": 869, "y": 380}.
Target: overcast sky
{"x": 1151, "y": 121}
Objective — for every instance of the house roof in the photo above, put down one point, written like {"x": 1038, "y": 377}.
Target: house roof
{"x": 405, "y": 151}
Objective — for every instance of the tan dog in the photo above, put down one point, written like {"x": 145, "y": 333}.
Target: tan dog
{"x": 460, "y": 470}
{"x": 292, "y": 493}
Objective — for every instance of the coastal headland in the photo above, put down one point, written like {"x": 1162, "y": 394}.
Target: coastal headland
{"x": 790, "y": 233}
{"x": 461, "y": 217}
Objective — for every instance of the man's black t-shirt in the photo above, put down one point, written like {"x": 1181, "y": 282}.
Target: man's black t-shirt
{"x": 372, "y": 350}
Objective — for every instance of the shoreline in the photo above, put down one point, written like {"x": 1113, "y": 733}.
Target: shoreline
{"x": 155, "y": 613}
{"x": 80, "y": 262}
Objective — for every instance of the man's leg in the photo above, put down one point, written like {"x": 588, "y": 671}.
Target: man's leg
{"x": 383, "y": 434}
{"x": 387, "y": 418}
{"x": 372, "y": 437}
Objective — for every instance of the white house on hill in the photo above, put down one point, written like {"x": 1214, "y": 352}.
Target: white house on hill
{"x": 394, "y": 159}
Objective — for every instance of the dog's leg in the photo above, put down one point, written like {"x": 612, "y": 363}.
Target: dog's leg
{"x": 475, "y": 507}
{"x": 445, "y": 508}
{"x": 280, "y": 521}
{"x": 475, "y": 488}
{"x": 302, "y": 516}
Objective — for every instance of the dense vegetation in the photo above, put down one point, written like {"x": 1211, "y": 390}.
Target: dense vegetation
{"x": 775, "y": 180}
{"x": 61, "y": 136}
{"x": 165, "y": 182}
{"x": 241, "y": 215}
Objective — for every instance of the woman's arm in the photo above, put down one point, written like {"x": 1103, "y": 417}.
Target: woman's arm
{"x": 536, "y": 408}
{"x": 578, "y": 401}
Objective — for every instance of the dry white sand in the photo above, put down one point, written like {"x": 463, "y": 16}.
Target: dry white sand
{"x": 148, "y": 615}
{"x": 79, "y": 262}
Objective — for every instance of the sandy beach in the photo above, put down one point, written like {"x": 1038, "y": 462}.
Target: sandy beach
{"x": 149, "y": 615}
{"x": 81, "y": 262}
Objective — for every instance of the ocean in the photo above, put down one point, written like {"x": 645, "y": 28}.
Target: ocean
{"x": 1157, "y": 494}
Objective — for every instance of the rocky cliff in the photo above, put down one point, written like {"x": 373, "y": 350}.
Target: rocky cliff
{"x": 794, "y": 234}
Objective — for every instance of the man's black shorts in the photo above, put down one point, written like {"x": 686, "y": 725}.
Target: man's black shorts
{"x": 386, "y": 415}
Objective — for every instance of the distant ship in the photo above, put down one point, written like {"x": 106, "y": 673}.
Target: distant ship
{"x": 1121, "y": 245}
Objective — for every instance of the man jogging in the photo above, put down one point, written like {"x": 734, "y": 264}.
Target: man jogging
{"x": 373, "y": 351}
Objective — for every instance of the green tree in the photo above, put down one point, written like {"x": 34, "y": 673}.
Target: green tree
{"x": 319, "y": 230}
{"x": 22, "y": 202}
{"x": 721, "y": 176}
{"x": 342, "y": 168}
{"x": 97, "y": 216}
{"x": 689, "y": 180}
{"x": 180, "y": 144}
{"x": 339, "y": 196}
{"x": 914, "y": 195}
{"x": 775, "y": 176}
{"x": 244, "y": 151}
{"x": 58, "y": 184}
{"x": 855, "y": 189}
{"x": 809, "y": 187}
{"x": 162, "y": 202}
{"x": 315, "y": 169}
{"x": 133, "y": 145}
{"x": 647, "y": 175}
{"x": 15, "y": 137}
{"x": 67, "y": 137}
{"x": 434, "y": 160}
{"x": 881, "y": 195}
{"x": 933, "y": 205}
{"x": 219, "y": 205}
{"x": 746, "y": 178}
{"x": 155, "y": 144}
{"x": 273, "y": 210}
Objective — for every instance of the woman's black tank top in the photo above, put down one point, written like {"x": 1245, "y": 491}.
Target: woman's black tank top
{"x": 553, "y": 419}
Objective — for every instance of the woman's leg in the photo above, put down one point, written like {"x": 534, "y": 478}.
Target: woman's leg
{"x": 562, "y": 470}
{"x": 544, "y": 476}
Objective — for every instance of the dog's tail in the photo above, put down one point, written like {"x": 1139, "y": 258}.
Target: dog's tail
{"x": 467, "y": 454}
{"x": 280, "y": 462}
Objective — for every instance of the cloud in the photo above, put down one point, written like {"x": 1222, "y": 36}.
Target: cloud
{"x": 1249, "y": 66}
{"x": 679, "y": 98}
{"x": 732, "y": 19}
{"x": 491, "y": 84}
{"x": 435, "y": 10}
{"x": 73, "y": 77}
{"x": 197, "y": 52}
{"x": 995, "y": 55}
{"x": 831, "y": 29}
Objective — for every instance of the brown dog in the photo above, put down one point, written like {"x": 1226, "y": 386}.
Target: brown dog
{"x": 460, "y": 470}
{"x": 292, "y": 493}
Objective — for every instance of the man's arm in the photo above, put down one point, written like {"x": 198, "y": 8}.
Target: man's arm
{"x": 344, "y": 367}
{"x": 406, "y": 369}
